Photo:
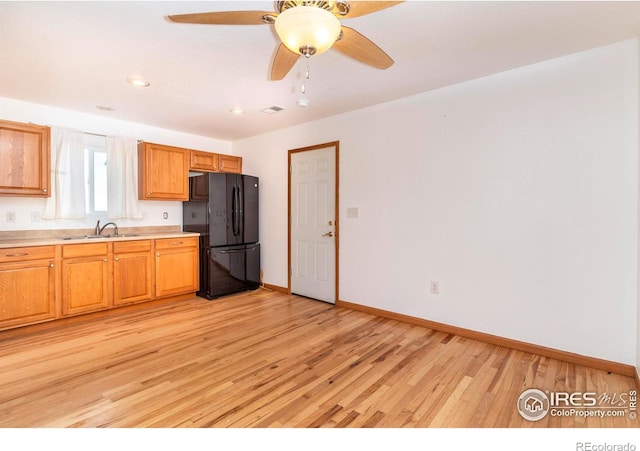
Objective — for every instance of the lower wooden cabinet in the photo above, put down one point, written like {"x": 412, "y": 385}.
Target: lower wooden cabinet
{"x": 86, "y": 277}
{"x": 176, "y": 266}
{"x": 132, "y": 272}
{"x": 43, "y": 283}
{"x": 27, "y": 285}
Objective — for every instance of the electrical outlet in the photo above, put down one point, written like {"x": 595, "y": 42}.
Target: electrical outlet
{"x": 11, "y": 216}
{"x": 35, "y": 216}
{"x": 435, "y": 287}
{"x": 352, "y": 212}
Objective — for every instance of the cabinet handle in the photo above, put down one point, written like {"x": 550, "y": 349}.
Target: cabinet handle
{"x": 117, "y": 259}
{"x": 158, "y": 254}
{"x": 51, "y": 265}
{"x": 17, "y": 255}
{"x": 44, "y": 190}
{"x": 177, "y": 243}
{"x": 106, "y": 259}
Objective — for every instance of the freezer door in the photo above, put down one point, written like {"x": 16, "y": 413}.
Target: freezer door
{"x": 232, "y": 269}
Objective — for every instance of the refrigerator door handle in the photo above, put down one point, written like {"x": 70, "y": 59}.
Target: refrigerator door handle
{"x": 233, "y": 210}
{"x": 240, "y": 213}
{"x": 237, "y": 211}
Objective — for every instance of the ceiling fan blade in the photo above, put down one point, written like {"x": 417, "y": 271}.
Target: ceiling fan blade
{"x": 358, "y": 47}
{"x": 357, "y": 9}
{"x": 224, "y": 18}
{"x": 283, "y": 62}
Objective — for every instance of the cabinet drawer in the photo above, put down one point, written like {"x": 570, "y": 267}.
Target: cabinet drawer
{"x": 170, "y": 243}
{"x": 84, "y": 250}
{"x": 18, "y": 254}
{"x": 122, "y": 247}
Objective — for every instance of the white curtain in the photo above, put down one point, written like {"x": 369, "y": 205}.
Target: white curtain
{"x": 122, "y": 178}
{"x": 67, "y": 175}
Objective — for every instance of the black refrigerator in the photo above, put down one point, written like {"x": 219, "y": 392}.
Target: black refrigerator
{"x": 223, "y": 208}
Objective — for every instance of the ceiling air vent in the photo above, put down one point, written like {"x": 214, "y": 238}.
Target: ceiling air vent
{"x": 272, "y": 109}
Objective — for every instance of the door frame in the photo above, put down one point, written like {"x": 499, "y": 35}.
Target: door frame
{"x": 336, "y": 150}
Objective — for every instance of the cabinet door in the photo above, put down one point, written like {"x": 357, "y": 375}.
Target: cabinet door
{"x": 27, "y": 292}
{"x": 85, "y": 284}
{"x": 229, "y": 163}
{"x": 132, "y": 272}
{"x": 204, "y": 161}
{"x": 24, "y": 153}
{"x": 177, "y": 270}
{"x": 163, "y": 172}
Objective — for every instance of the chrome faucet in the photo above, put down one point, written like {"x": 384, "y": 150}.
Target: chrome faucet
{"x": 99, "y": 229}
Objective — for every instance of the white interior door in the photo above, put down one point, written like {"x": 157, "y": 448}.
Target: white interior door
{"x": 313, "y": 223}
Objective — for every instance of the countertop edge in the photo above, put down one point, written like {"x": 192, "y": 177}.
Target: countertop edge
{"x": 56, "y": 241}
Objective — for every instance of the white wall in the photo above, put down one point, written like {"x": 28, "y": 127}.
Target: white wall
{"x": 18, "y": 111}
{"x": 517, "y": 192}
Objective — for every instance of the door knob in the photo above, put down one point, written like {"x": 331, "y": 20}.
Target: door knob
{"x": 328, "y": 234}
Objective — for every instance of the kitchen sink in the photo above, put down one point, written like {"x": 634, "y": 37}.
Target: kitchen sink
{"x": 93, "y": 237}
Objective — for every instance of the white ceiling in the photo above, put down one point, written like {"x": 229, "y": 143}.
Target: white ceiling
{"x": 77, "y": 55}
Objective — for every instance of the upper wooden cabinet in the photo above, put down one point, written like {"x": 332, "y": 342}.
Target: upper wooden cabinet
{"x": 215, "y": 162}
{"x": 229, "y": 163}
{"x": 204, "y": 161}
{"x": 25, "y": 157}
{"x": 163, "y": 172}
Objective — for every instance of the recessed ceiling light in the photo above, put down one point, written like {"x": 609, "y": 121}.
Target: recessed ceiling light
{"x": 303, "y": 102}
{"x": 104, "y": 108}
{"x": 237, "y": 110}
{"x": 138, "y": 82}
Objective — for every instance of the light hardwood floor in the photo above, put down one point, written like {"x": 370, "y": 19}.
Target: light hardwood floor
{"x": 265, "y": 359}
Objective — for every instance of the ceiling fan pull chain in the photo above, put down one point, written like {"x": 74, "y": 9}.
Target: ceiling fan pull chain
{"x": 306, "y": 77}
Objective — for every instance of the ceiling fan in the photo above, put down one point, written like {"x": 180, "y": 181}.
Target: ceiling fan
{"x": 306, "y": 27}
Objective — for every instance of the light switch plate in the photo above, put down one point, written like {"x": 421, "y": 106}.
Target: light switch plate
{"x": 352, "y": 212}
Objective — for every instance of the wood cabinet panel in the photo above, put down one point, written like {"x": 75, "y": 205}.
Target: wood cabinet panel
{"x": 163, "y": 172}
{"x": 230, "y": 163}
{"x": 85, "y": 250}
{"x": 25, "y": 157}
{"x": 176, "y": 266}
{"x": 204, "y": 161}
{"x": 86, "y": 284}
{"x": 21, "y": 254}
{"x": 132, "y": 246}
{"x": 27, "y": 292}
{"x": 132, "y": 272}
{"x": 172, "y": 243}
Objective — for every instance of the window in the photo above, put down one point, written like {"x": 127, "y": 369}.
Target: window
{"x": 95, "y": 174}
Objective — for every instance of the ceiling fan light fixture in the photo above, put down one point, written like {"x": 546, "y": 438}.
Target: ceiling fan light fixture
{"x": 303, "y": 28}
